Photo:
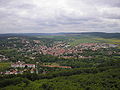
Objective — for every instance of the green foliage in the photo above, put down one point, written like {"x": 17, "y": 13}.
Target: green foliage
{"x": 105, "y": 80}
{"x": 13, "y": 81}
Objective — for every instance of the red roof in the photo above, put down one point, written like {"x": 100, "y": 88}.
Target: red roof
{"x": 56, "y": 66}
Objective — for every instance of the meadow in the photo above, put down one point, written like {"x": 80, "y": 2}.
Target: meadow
{"x": 4, "y": 66}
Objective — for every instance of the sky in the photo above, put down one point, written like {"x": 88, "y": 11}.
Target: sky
{"x": 52, "y": 16}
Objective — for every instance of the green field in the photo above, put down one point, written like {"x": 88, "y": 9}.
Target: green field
{"x": 83, "y": 40}
{"x": 112, "y": 41}
{"x": 4, "y": 66}
{"x": 74, "y": 42}
{"x": 53, "y": 64}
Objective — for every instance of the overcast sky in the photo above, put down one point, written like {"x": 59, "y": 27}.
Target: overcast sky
{"x": 51, "y": 16}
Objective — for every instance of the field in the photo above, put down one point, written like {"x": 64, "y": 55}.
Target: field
{"x": 4, "y": 66}
{"x": 112, "y": 41}
{"x": 52, "y": 64}
{"x": 94, "y": 40}
{"x": 74, "y": 40}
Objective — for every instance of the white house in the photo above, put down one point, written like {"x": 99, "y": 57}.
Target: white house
{"x": 23, "y": 65}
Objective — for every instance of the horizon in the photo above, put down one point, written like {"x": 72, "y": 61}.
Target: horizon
{"x": 66, "y": 33}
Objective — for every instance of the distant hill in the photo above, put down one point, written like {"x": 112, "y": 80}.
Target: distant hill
{"x": 96, "y": 34}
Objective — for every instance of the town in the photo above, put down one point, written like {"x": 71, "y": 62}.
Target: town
{"x": 59, "y": 48}
{"x": 24, "y": 54}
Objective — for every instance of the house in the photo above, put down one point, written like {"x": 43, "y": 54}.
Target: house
{"x": 22, "y": 65}
{"x": 56, "y": 66}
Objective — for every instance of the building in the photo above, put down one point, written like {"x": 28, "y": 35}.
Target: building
{"x": 22, "y": 65}
{"x": 56, "y": 66}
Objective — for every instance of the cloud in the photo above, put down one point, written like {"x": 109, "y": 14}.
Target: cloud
{"x": 59, "y": 16}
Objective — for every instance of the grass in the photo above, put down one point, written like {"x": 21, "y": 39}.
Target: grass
{"x": 111, "y": 41}
{"x": 83, "y": 40}
{"x": 4, "y": 66}
{"x": 53, "y": 64}
{"x": 75, "y": 40}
